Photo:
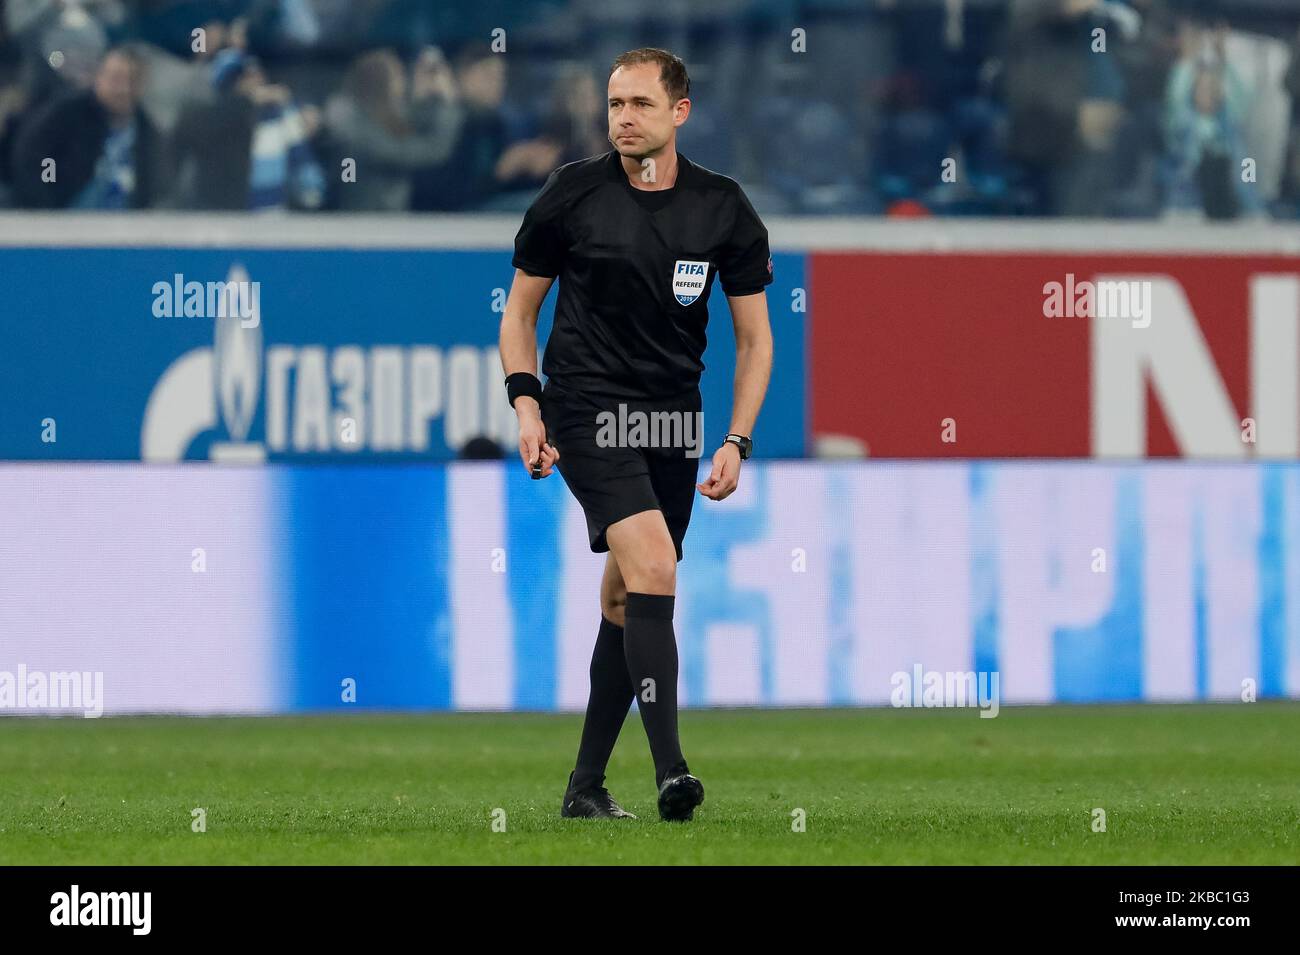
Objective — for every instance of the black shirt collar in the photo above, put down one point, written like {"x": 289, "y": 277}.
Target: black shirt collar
{"x": 685, "y": 169}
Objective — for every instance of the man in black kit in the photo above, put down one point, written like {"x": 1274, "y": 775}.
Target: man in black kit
{"x": 636, "y": 236}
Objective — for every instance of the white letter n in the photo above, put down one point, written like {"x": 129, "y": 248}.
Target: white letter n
{"x": 1171, "y": 351}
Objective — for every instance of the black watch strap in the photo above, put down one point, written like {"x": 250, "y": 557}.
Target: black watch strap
{"x": 743, "y": 442}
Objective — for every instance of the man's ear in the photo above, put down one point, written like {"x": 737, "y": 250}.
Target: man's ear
{"x": 681, "y": 110}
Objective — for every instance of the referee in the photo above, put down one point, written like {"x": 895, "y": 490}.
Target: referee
{"x": 635, "y": 236}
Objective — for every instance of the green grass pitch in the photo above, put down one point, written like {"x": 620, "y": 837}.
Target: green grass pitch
{"x": 1203, "y": 784}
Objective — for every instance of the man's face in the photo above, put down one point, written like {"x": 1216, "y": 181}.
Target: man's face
{"x": 483, "y": 83}
{"x": 641, "y": 119}
{"x": 116, "y": 85}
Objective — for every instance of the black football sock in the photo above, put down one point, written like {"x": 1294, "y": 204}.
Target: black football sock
{"x": 607, "y": 706}
{"x": 651, "y": 648}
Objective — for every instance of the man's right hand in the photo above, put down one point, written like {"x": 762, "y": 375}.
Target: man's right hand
{"x": 534, "y": 450}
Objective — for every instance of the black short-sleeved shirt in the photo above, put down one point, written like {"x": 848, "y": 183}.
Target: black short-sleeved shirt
{"x": 635, "y": 269}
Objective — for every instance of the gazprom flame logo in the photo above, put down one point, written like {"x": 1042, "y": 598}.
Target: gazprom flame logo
{"x": 238, "y": 357}
{"x": 206, "y": 382}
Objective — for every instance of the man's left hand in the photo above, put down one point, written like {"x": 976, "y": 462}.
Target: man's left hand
{"x": 725, "y": 474}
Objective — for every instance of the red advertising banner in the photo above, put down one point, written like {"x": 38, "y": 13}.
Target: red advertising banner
{"x": 1005, "y": 354}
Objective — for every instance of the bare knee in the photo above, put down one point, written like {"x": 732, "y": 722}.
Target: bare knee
{"x": 646, "y": 557}
{"x": 613, "y": 604}
{"x": 653, "y": 573}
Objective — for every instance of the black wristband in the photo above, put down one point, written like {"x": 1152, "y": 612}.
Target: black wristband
{"x": 522, "y": 384}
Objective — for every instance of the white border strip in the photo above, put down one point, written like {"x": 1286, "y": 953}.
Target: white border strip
{"x": 496, "y": 232}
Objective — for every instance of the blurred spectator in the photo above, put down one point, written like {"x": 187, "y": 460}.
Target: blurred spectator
{"x": 1045, "y": 87}
{"x": 1065, "y": 100}
{"x": 468, "y": 176}
{"x": 372, "y": 122}
{"x": 105, "y": 152}
{"x": 177, "y": 82}
{"x": 1148, "y": 59}
{"x": 1259, "y": 62}
{"x": 577, "y": 122}
{"x": 63, "y": 41}
{"x": 1205, "y": 106}
{"x": 249, "y": 148}
{"x": 575, "y": 127}
{"x": 1146, "y": 63}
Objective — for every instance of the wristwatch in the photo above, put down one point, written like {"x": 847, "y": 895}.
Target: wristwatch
{"x": 745, "y": 444}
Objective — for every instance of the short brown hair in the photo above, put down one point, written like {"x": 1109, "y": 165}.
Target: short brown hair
{"x": 672, "y": 71}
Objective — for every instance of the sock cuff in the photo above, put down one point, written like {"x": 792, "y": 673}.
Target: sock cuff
{"x": 650, "y": 606}
{"x": 609, "y": 626}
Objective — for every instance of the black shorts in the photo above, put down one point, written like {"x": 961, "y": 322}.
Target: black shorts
{"x": 614, "y": 480}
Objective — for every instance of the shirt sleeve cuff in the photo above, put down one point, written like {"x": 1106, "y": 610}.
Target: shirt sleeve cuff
{"x": 750, "y": 289}
{"x": 531, "y": 268}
